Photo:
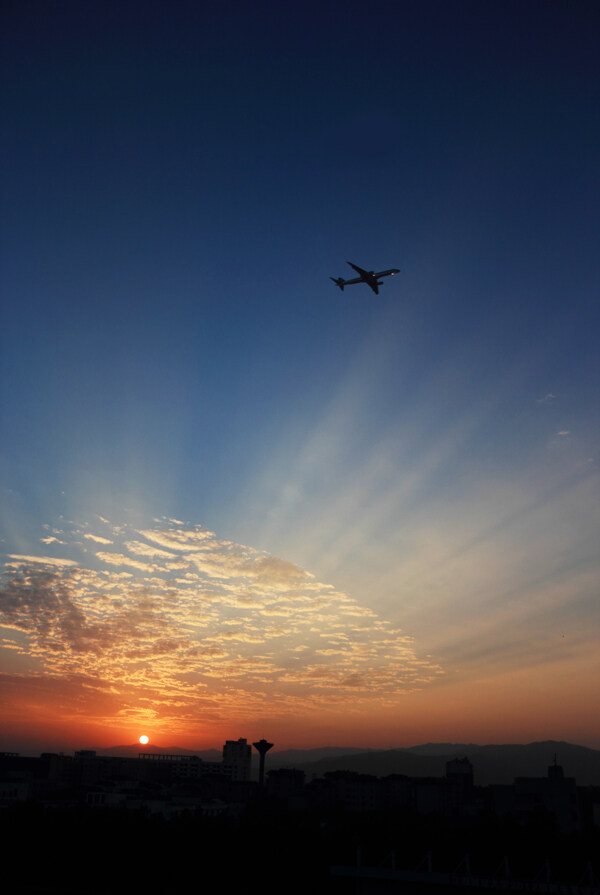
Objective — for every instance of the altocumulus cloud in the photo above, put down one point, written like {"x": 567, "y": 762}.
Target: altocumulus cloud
{"x": 203, "y": 625}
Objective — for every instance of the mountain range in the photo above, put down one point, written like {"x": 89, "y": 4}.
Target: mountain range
{"x": 491, "y": 764}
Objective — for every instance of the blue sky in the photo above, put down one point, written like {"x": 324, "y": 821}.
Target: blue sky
{"x": 180, "y": 181}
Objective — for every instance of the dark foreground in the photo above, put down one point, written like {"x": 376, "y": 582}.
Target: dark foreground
{"x": 78, "y": 850}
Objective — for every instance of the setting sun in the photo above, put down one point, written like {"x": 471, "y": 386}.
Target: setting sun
{"x": 144, "y": 739}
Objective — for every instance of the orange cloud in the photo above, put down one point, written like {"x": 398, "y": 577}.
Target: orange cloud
{"x": 166, "y": 647}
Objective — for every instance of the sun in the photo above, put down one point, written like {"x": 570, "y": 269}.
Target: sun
{"x": 144, "y": 739}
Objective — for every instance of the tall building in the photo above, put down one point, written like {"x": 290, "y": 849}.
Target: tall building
{"x": 237, "y": 758}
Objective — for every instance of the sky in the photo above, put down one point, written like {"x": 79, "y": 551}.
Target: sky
{"x": 236, "y": 501}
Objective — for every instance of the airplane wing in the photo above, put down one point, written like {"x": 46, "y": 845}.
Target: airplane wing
{"x": 387, "y": 273}
{"x": 363, "y": 273}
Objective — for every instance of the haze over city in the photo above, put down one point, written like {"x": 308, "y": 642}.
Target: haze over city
{"x": 235, "y": 500}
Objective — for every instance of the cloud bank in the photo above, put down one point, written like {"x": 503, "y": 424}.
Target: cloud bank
{"x": 173, "y": 623}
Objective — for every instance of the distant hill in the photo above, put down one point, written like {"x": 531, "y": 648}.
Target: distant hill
{"x": 287, "y": 758}
{"x": 491, "y": 764}
{"x": 443, "y": 748}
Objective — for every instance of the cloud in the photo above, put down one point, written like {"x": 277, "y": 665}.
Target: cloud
{"x": 178, "y": 539}
{"x": 120, "y": 559}
{"x": 42, "y": 560}
{"x": 150, "y": 630}
{"x": 98, "y": 539}
{"x": 141, "y": 549}
{"x": 39, "y": 603}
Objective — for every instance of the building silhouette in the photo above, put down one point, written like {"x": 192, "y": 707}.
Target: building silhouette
{"x": 237, "y": 759}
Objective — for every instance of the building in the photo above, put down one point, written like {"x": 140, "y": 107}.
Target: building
{"x": 555, "y": 794}
{"x": 181, "y": 767}
{"x": 237, "y": 759}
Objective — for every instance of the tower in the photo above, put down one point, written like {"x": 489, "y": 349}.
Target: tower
{"x": 262, "y": 747}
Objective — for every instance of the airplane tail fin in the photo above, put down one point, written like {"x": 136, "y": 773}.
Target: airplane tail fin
{"x": 339, "y": 282}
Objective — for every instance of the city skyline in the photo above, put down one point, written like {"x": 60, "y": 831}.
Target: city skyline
{"x": 230, "y": 491}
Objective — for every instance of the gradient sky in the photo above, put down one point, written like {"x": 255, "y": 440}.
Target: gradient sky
{"x": 236, "y": 501}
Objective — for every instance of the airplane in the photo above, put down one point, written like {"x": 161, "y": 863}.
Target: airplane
{"x": 366, "y": 276}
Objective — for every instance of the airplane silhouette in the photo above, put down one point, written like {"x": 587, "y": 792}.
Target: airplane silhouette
{"x": 366, "y": 276}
